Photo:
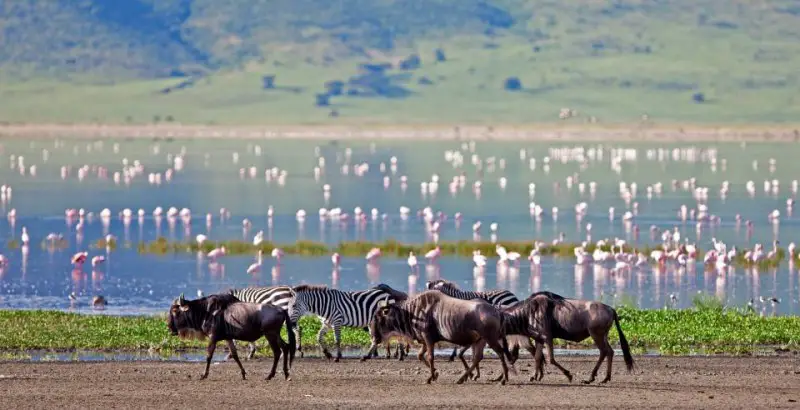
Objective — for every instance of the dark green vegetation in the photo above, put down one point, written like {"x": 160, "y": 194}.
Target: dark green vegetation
{"x": 393, "y": 61}
{"x": 391, "y": 248}
{"x": 708, "y": 328}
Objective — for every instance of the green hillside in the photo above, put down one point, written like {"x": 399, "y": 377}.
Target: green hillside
{"x": 399, "y": 61}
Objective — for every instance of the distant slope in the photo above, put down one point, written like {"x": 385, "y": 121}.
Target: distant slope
{"x": 399, "y": 60}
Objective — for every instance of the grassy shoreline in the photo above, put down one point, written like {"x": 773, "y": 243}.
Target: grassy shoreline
{"x": 547, "y": 131}
{"x": 392, "y": 248}
{"x": 707, "y": 328}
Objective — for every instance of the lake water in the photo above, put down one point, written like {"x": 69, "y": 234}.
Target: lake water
{"x": 216, "y": 174}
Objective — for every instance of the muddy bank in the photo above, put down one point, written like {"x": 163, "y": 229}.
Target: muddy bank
{"x": 532, "y": 132}
{"x": 667, "y": 382}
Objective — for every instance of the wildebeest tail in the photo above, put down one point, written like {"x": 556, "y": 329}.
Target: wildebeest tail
{"x": 290, "y": 335}
{"x": 623, "y": 343}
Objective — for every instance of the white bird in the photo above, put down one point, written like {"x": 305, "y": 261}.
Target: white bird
{"x": 277, "y": 253}
{"x": 480, "y": 260}
{"x": 200, "y": 238}
{"x": 412, "y": 261}
{"x": 25, "y": 238}
{"x": 258, "y": 239}
{"x": 336, "y": 259}
{"x": 98, "y": 260}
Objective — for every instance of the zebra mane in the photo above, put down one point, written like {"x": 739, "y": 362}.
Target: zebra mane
{"x": 447, "y": 284}
{"x": 307, "y": 288}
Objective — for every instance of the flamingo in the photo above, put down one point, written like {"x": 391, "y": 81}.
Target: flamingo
{"x": 373, "y": 254}
{"x": 25, "y": 238}
{"x": 216, "y": 253}
{"x": 256, "y": 267}
{"x": 98, "y": 260}
{"x": 480, "y": 260}
{"x": 79, "y": 258}
{"x": 513, "y": 257}
{"x": 336, "y": 260}
{"x": 277, "y": 253}
{"x": 200, "y": 238}
{"x": 433, "y": 254}
{"x": 412, "y": 261}
{"x": 790, "y": 249}
{"x": 258, "y": 239}
{"x": 3, "y": 261}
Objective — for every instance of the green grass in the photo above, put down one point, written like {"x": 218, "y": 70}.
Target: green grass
{"x": 612, "y": 61}
{"x": 394, "y": 249}
{"x": 708, "y": 328}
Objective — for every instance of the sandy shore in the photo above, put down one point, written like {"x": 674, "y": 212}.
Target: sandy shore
{"x": 675, "y": 382}
{"x": 546, "y": 132}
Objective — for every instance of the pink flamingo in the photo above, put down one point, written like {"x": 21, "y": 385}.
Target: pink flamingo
{"x": 216, "y": 253}
{"x": 256, "y": 267}
{"x": 3, "y": 261}
{"x": 373, "y": 254}
{"x": 433, "y": 254}
{"x": 277, "y": 253}
{"x": 98, "y": 260}
{"x": 79, "y": 258}
{"x": 336, "y": 259}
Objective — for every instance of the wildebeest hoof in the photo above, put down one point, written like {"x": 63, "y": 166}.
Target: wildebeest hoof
{"x": 364, "y": 358}
{"x": 244, "y": 376}
{"x": 288, "y": 379}
{"x": 203, "y": 376}
{"x": 606, "y": 380}
{"x": 588, "y": 381}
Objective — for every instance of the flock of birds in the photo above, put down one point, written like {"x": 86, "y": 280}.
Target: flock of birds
{"x": 674, "y": 249}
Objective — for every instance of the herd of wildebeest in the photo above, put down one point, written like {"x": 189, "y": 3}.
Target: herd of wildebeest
{"x": 442, "y": 313}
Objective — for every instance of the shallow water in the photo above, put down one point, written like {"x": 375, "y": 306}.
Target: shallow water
{"x": 40, "y": 277}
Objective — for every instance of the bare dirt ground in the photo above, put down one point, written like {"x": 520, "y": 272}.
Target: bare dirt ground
{"x": 681, "y": 382}
{"x": 369, "y": 132}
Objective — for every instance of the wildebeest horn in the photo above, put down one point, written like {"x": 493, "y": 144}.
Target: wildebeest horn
{"x": 181, "y": 300}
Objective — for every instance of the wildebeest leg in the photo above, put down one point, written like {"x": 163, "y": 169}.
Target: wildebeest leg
{"x": 337, "y": 337}
{"x": 477, "y": 356}
{"x": 453, "y": 355}
{"x": 466, "y": 366}
{"x": 252, "y": 353}
{"x": 235, "y": 357}
{"x": 552, "y": 358}
{"x": 321, "y": 340}
{"x": 286, "y": 353}
{"x": 538, "y": 360}
{"x": 429, "y": 346}
{"x": 421, "y": 354}
{"x": 212, "y": 346}
{"x": 601, "y": 340}
{"x": 499, "y": 350}
{"x": 298, "y": 333}
{"x": 275, "y": 345}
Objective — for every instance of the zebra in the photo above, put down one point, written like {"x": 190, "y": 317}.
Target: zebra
{"x": 498, "y": 298}
{"x": 278, "y": 296}
{"x": 337, "y": 308}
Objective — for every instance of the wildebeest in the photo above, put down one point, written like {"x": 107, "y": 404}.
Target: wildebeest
{"x": 499, "y": 298}
{"x": 545, "y": 316}
{"x": 224, "y": 317}
{"x": 279, "y": 296}
{"x": 432, "y": 317}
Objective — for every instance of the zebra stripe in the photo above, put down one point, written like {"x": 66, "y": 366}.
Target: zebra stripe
{"x": 498, "y": 297}
{"x": 336, "y": 309}
{"x": 279, "y": 296}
